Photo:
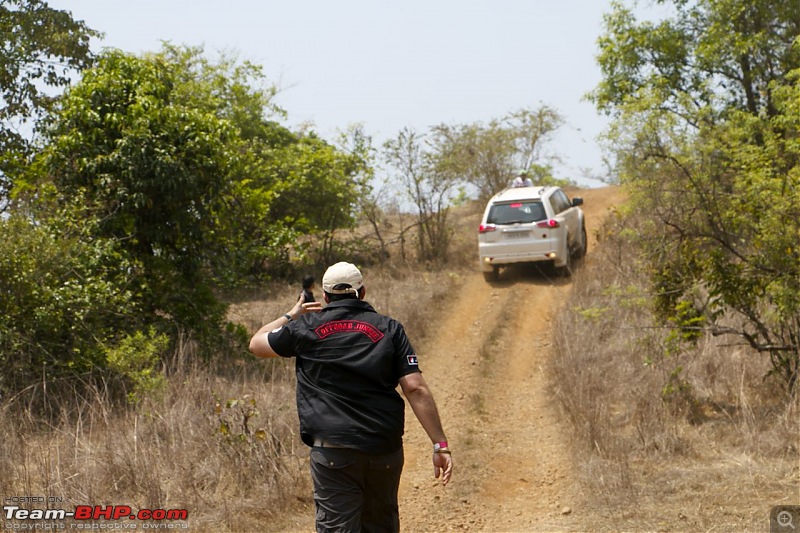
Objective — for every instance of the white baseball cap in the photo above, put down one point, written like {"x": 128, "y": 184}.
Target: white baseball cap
{"x": 346, "y": 277}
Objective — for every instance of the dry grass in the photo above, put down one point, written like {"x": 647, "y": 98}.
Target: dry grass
{"x": 692, "y": 441}
{"x": 220, "y": 441}
{"x": 170, "y": 453}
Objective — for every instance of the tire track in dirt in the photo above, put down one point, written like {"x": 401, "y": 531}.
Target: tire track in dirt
{"x": 486, "y": 372}
{"x": 486, "y": 367}
{"x": 529, "y": 485}
{"x": 455, "y": 365}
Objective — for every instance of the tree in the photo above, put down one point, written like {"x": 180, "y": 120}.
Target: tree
{"x": 242, "y": 241}
{"x": 281, "y": 191}
{"x": 709, "y": 58}
{"x": 155, "y": 175}
{"x": 66, "y": 296}
{"x": 429, "y": 185}
{"x": 490, "y": 156}
{"x": 314, "y": 190}
{"x": 41, "y": 48}
{"x": 706, "y": 114}
{"x": 181, "y": 162}
{"x": 150, "y": 159}
{"x": 281, "y": 185}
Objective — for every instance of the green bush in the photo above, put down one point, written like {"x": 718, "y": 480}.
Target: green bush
{"x": 137, "y": 358}
{"x": 63, "y": 298}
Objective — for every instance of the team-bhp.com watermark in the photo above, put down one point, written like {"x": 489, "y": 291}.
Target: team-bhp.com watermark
{"x": 38, "y": 513}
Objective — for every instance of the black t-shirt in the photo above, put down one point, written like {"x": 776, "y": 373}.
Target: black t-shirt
{"x": 349, "y": 359}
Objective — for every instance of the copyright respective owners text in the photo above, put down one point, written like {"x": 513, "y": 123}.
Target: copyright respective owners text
{"x": 53, "y": 513}
{"x": 784, "y": 518}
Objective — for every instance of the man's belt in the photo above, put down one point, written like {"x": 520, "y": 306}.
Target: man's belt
{"x": 322, "y": 443}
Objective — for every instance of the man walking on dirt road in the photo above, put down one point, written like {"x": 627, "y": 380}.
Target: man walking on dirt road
{"x": 349, "y": 361}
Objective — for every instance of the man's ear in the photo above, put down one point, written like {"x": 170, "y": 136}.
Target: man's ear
{"x": 362, "y": 292}
{"x": 327, "y": 300}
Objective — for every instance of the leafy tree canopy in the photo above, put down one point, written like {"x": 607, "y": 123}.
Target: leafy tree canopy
{"x": 712, "y": 55}
{"x": 706, "y": 139}
{"x": 65, "y": 295}
{"x": 489, "y": 156}
{"x": 179, "y": 160}
{"x": 159, "y": 178}
{"x": 41, "y": 48}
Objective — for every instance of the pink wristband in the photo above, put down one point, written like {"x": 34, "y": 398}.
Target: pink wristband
{"x": 439, "y": 445}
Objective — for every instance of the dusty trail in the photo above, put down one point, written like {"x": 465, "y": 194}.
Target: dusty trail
{"x": 486, "y": 366}
{"x": 486, "y": 369}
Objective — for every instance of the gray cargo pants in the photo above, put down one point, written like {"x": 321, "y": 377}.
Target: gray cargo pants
{"x": 356, "y": 492}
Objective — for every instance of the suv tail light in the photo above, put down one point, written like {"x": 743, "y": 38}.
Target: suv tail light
{"x": 483, "y": 228}
{"x": 551, "y": 223}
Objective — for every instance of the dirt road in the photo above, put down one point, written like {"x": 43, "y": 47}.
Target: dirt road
{"x": 485, "y": 363}
{"x": 486, "y": 368}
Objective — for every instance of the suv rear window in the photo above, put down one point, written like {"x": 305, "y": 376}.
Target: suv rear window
{"x": 527, "y": 211}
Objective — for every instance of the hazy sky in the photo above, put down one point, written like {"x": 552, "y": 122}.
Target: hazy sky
{"x": 388, "y": 65}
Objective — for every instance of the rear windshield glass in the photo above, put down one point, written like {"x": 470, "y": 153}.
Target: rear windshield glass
{"x": 529, "y": 211}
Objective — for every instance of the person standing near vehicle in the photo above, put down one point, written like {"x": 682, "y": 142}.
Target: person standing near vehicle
{"x": 522, "y": 180}
{"x": 349, "y": 361}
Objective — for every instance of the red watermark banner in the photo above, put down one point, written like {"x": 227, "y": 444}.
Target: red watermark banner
{"x": 16, "y": 517}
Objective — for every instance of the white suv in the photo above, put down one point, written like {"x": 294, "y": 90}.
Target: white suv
{"x": 531, "y": 224}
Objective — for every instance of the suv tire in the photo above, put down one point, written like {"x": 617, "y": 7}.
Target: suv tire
{"x": 580, "y": 253}
{"x": 566, "y": 270}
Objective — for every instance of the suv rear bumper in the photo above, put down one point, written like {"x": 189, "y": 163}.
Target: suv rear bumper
{"x": 489, "y": 263}
{"x": 496, "y": 254}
